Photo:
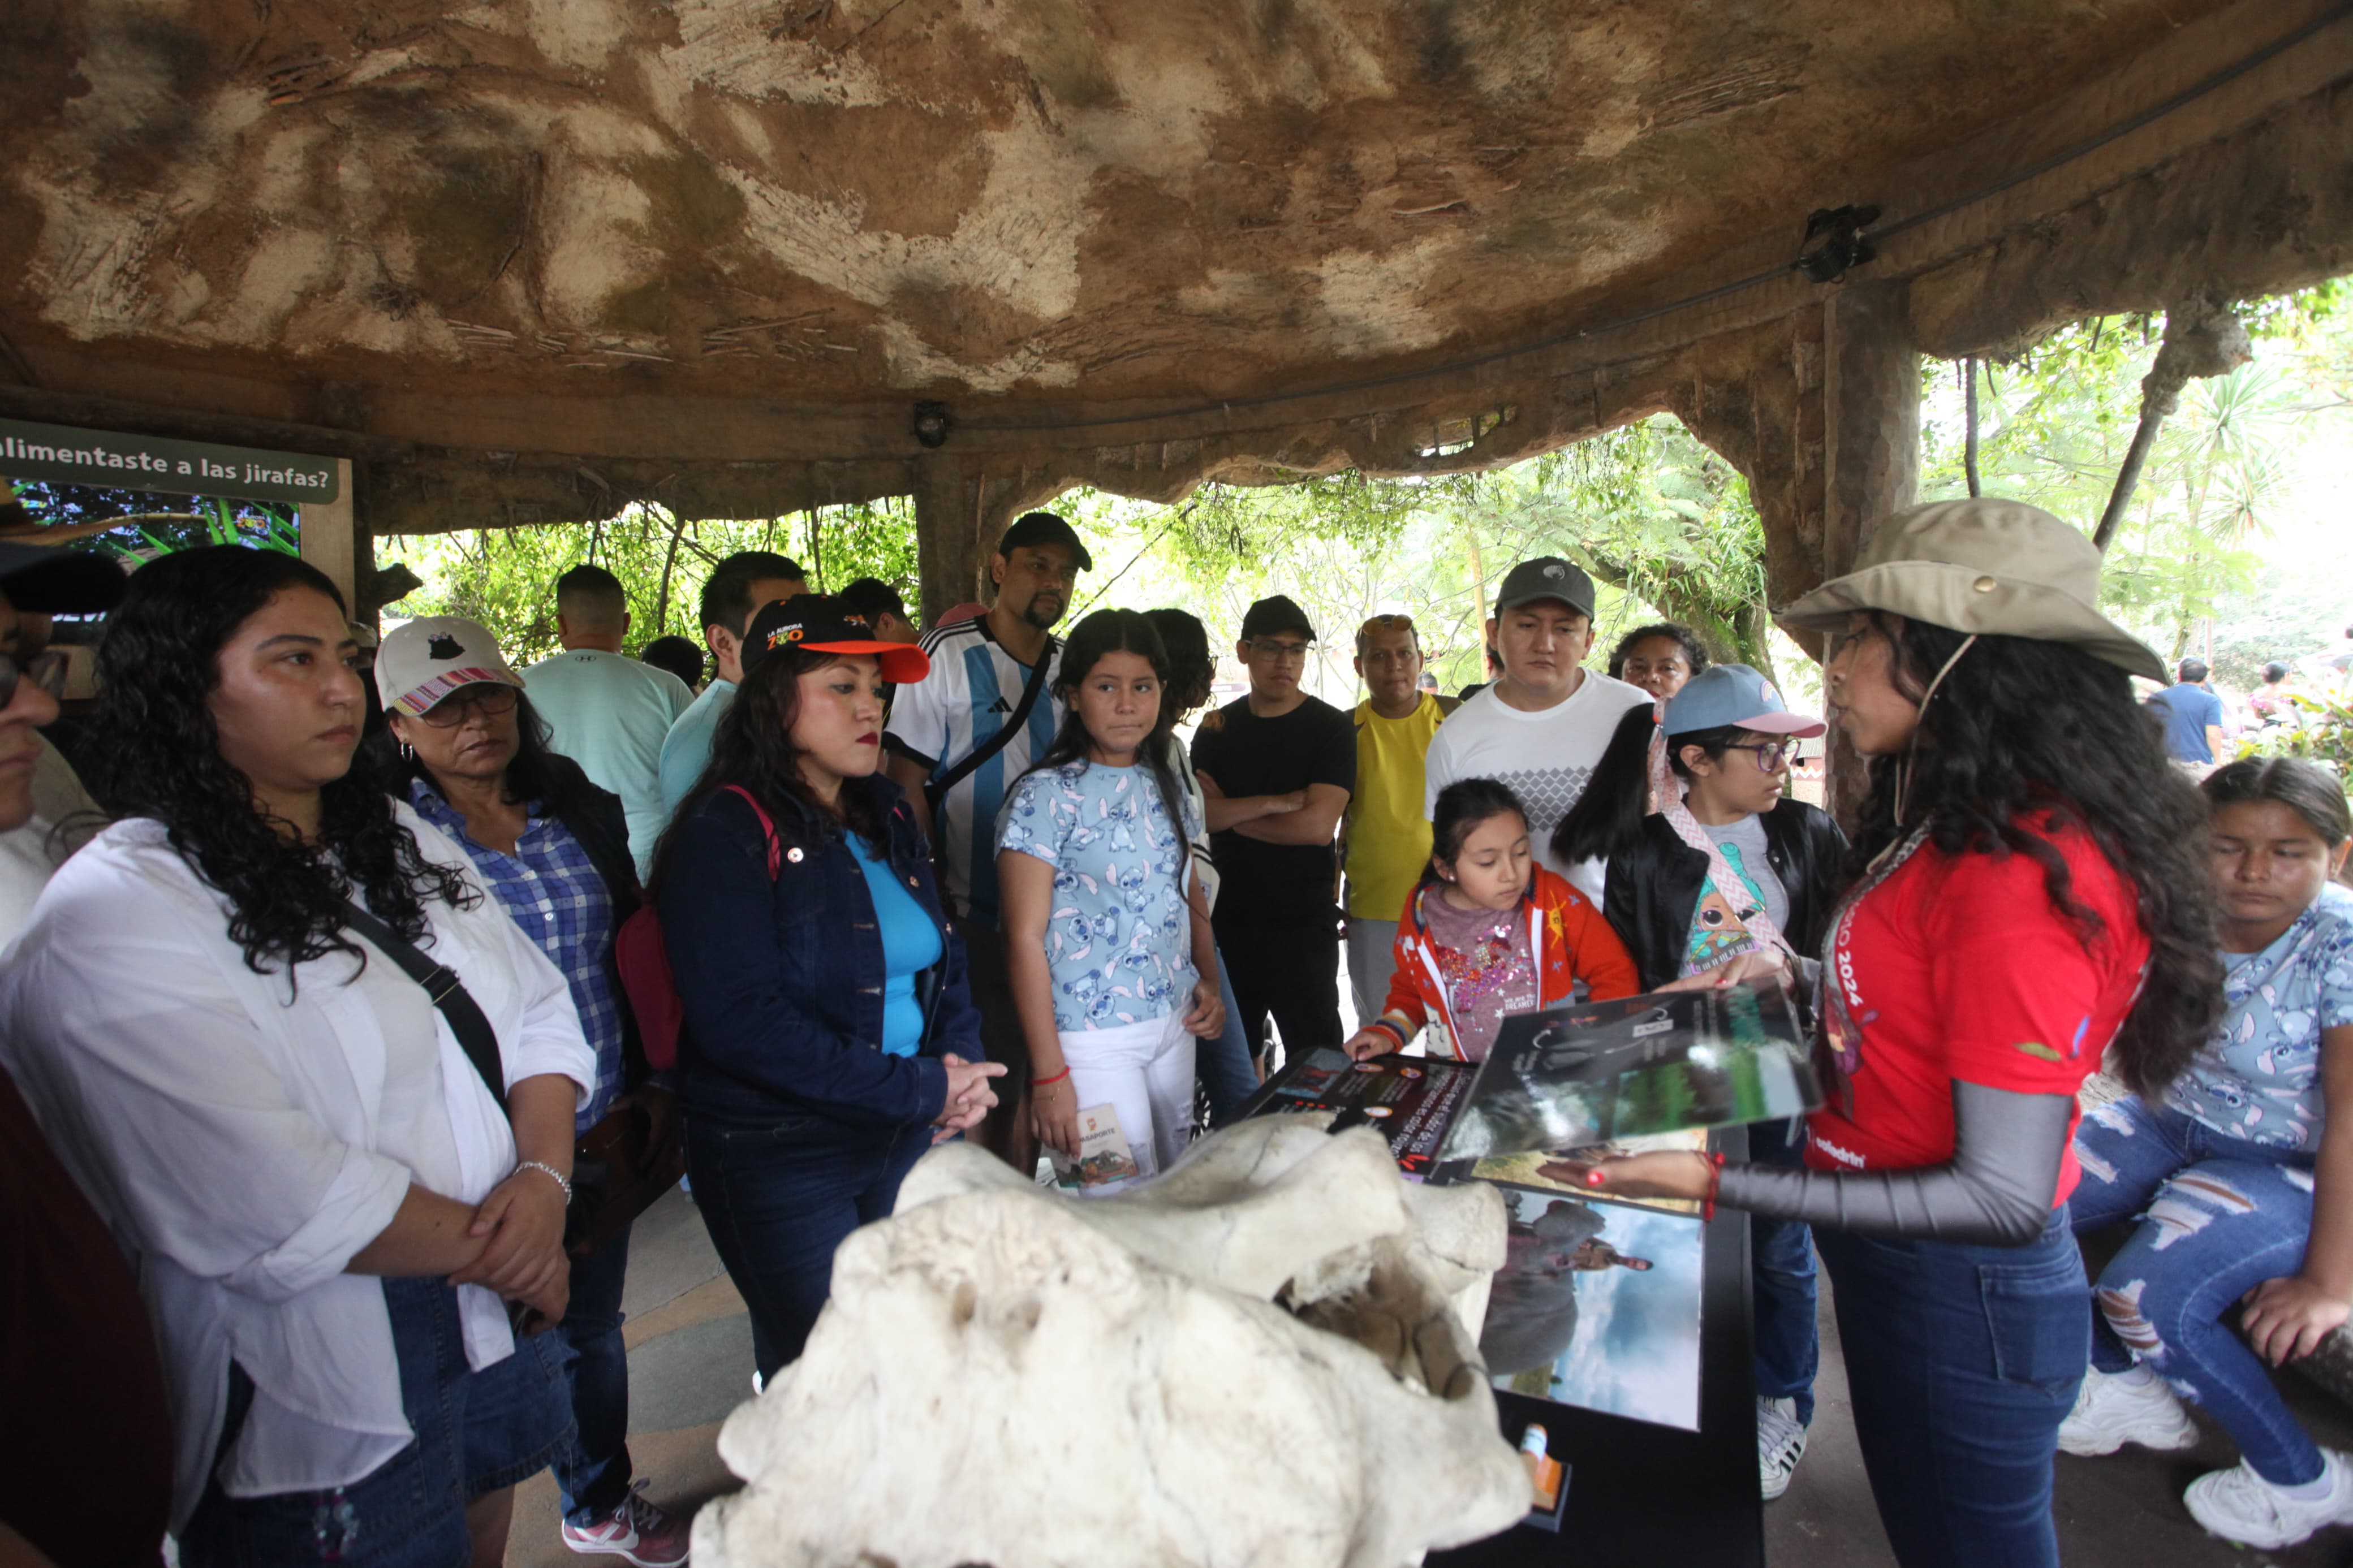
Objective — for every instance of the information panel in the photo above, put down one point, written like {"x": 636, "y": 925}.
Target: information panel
{"x": 64, "y": 455}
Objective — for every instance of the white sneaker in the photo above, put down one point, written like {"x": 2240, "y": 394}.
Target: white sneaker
{"x": 1780, "y": 1444}
{"x": 2111, "y": 1412}
{"x": 2239, "y": 1505}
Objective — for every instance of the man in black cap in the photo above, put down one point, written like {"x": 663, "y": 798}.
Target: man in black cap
{"x": 1276, "y": 767}
{"x": 1546, "y": 720}
{"x": 86, "y": 1460}
{"x": 957, "y": 739}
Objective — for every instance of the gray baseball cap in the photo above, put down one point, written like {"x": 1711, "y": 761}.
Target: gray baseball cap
{"x": 1546, "y": 577}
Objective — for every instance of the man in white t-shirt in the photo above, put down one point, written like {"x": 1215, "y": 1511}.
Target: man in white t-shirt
{"x": 606, "y": 711}
{"x": 979, "y": 671}
{"x": 1543, "y": 723}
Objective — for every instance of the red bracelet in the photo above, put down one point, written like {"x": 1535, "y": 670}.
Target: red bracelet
{"x": 1714, "y": 1181}
{"x": 1048, "y": 1082}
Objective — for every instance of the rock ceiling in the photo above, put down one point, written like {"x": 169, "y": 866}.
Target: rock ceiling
{"x": 308, "y": 211}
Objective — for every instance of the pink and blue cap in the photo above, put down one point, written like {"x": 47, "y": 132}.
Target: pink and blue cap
{"x": 1734, "y": 697}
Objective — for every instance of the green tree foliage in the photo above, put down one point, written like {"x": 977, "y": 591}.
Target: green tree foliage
{"x": 504, "y": 577}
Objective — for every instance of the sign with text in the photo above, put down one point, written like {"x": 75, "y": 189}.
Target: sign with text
{"x": 64, "y": 455}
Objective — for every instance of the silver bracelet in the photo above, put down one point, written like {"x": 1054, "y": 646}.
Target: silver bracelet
{"x": 536, "y": 1165}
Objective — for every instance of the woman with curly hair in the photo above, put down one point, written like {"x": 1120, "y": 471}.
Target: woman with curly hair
{"x": 2029, "y": 895}
{"x": 327, "y": 1205}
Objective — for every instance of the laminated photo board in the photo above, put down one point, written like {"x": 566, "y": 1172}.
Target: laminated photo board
{"x": 1548, "y": 1172}
{"x": 1408, "y": 1100}
{"x": 1597, "y": 1306}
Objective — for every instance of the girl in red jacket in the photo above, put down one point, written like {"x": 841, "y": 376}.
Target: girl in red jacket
{"x": 1488, "y": 931}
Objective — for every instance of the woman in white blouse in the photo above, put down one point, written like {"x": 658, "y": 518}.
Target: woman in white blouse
{"x": 328, "y": 1214}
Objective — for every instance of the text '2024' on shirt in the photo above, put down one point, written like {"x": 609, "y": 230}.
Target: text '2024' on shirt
{"x": 1959, "y": 967}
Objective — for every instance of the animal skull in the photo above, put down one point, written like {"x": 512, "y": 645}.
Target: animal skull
{"x": 1257, "y": 1359}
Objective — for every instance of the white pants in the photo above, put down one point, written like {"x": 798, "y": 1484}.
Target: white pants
{"x": 1145, "y": 1072}
{"x": 1372, "y": 960}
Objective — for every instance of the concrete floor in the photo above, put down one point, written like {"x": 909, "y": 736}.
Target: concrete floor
{"x": 690, "y": 1360}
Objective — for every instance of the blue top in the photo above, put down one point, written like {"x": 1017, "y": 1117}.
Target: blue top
{"x": 782, "y": 978}
{"x": 611, "y": 714}
{"x": 911, "y": 944}
{"x": 686, "y": 749}
{"x": 2259, "y": 1078}
{"x": 1119, "y": 938}
{"x": 551, "y": 888}
{"x": 2186, "y": 711}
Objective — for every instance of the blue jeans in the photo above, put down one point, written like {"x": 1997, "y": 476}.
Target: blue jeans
{"x": 1961, "y": 1362}
{"x": 1781, "y": 1282}
{"x": 1224, "y": 1063}
{"x": 476, "y": 1433}
{"x": 593, "y": 1473}
{"x": 778, "y": 1199}
{"x": 2218, "y": 1217}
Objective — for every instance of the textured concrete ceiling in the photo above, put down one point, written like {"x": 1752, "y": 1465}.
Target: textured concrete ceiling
{"x": 310, "y": 211}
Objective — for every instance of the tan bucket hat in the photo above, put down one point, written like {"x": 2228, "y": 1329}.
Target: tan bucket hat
{"x": 1983, "y": 565}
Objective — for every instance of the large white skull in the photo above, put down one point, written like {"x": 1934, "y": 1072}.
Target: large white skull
{"x": 1257, "y": 1359}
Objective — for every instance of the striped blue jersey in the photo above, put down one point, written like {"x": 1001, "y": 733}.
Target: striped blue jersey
{"x": 969, "y": 696}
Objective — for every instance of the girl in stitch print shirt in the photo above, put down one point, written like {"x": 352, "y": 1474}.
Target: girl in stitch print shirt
{"x": 1106, "y": 933}
{"x": 1488, "y": 933}
{"x": 2240, "y": 1180}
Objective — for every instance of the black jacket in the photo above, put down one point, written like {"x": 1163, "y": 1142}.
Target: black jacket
{"x": 1654, "y": 885}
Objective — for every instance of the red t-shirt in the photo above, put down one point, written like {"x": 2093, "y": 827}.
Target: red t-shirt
{"x": 1958, "y": 967}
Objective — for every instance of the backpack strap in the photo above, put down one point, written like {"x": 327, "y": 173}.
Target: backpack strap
{"x": 767, "y": 829}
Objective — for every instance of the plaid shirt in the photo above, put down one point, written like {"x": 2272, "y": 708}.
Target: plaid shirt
{"x": 553, "y": 891}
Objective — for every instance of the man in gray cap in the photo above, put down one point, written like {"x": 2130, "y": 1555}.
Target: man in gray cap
{"x": 1543, "y": 723}
{"x": 1277, "y": 767}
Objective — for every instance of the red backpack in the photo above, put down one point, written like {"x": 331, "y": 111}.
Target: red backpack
{"x": 643, "y": 959}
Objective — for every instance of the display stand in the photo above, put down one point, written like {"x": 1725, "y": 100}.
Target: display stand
{"x": 1643, "y": 1493}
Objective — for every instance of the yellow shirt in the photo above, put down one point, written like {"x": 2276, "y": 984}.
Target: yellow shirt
{"x": 1388, "y": 838}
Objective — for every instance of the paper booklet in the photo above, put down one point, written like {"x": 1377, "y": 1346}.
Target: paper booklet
{"x": 1582, "y": 1073}
{"x": 1104, "y": 1156}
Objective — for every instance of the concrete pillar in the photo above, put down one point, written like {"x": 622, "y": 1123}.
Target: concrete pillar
{"x": 327, "y": 536}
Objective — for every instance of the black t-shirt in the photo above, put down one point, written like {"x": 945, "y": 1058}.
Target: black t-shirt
{"x": 1274, "y": 884}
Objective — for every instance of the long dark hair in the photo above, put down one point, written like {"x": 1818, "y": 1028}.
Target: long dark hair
{"x": 1458, "y": 811}
{"x": 154, "y": 751}
{"x": 2310, "y": 791}
{"x": 1191, "y": 671}
{"x": 1608, "y": 816}
{"x": 753, "y": 746}
{"x": 1109, "y": 632}
{"x": 2022, "y": 727}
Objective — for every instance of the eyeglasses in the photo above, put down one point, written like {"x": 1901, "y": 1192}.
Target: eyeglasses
{"x": 1286, "y": 651}
{"x": 489, "y": 697}
{"x": 46, "y": 669}
{"x": 1771, "y": 755}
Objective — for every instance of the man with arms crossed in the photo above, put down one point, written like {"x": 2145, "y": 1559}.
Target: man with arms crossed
{"x": 1546, "y": 720}
{"x": 1276, "y": 766}
{"x": 979, "y": 670}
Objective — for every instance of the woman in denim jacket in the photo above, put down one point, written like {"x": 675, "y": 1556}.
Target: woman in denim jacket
{"x": 829, "y": 1036}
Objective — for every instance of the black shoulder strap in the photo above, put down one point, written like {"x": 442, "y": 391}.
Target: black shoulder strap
{"x": 936, "y": 790}
{"x": 474, "y": 1033}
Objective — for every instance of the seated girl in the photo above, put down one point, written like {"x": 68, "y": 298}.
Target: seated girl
{"x": 1106, "y": 931}
{"x": 2241, "y": 1182}
{"x": 1488, "y": 931}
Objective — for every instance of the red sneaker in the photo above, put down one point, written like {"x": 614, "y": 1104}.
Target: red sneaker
{"x": 637, "y": 1531}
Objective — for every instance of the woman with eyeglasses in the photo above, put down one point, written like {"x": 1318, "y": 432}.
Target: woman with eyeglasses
{"x": 554, "y": 851}
{"x": 1729, "y": 879}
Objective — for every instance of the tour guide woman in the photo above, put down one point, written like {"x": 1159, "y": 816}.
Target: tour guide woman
{"x": 321, "y": 1200}
{"x": 829, "y": 1036}
{"x": 2033, "y": 894}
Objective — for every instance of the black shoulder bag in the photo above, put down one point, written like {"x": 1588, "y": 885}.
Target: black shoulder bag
{"x": 936, "y": 790}
{"x": 617, "y": 1171}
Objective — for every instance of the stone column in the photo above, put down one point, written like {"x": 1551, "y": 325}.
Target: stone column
{"x": 1870, "y": 401}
